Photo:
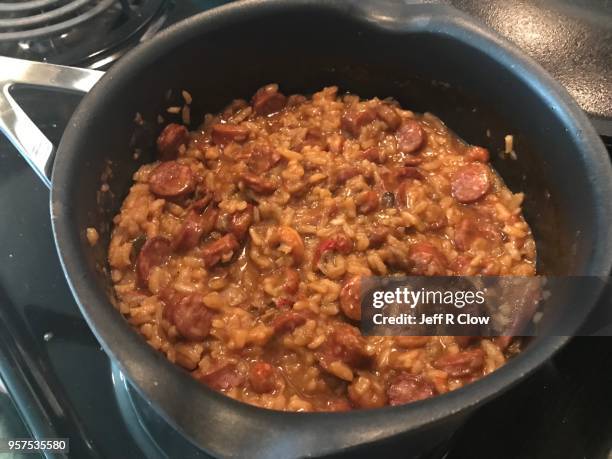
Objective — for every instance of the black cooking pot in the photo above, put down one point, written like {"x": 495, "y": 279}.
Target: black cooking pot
{"x": 429, "y": 58}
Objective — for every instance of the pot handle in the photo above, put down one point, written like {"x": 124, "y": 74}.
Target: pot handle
{"x": 31, "y": 143}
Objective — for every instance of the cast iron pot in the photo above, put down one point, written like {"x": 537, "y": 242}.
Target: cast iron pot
{"x": 428, "y": 57}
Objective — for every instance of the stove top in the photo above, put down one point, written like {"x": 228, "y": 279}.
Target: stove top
{"x": 572, "y": 39}
{"x": 63, "y": 385}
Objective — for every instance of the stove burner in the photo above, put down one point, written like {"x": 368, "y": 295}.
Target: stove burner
{"x": 90, "y": 33}
{"x": 44, "y": 23}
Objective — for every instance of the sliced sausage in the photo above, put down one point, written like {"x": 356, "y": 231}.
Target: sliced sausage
{"x": 258, "y": 183}
{"x": 410, "y": 137}
{"x": 223, "y": 378}
{"x": 389, "y": 115}
{"x": 172, "y": 180}
{"x": 189, "y": 315}
{"x": 345, "y": 173}
{"x": 426, "y": 260}
{"x": 406, "y": 388}
{"x": 241, "y": 221}
{"x": 402, "y": 192}
{"x": 262, "y": 377}
{"x": 190, "y": 233}
{"x": 356, "y": 117}
{"x": 223, "y": 134}
{"x": 170, "y": 140}
{"x": 268, "y": 100}
{"x": 350, "y": 298}
{"x": 201, "y": 203}
{"x": 461, "y": 364}
{"x": 470, "y": 182}
{"x": 344, "y": 344}
{"x": 209, "y": 219}
{"x": 213, "y": 252}
{"x": 408, "y": 172}
{"x": 288, "y": 321}
{"x": 154, "y": 252}
{"x": 373, "y": 154}
{"x": 261, "y": 158}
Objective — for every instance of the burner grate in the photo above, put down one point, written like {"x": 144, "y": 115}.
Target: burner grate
{"x": 76, "y": 32}
{"x": 36, "y": 24}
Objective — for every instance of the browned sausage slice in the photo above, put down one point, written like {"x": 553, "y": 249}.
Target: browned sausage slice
{"x": 170, "y": 140}
{"x": 345, "y": 173}
{"x": 189, "y": 315}
{"x": 344, "y": 344}
{"x": 408, "y": 172}
{"x": 410, "y": 136}
{"x": 213, "y": 252}
{"x": 153, "y": 253}
{"x": 426, "y": 260}
{"x": 470, "y": 182}
{"x": 258, "y": 184}
{"x": 350, "y": 298}
{"x": 262, "y": 377}
{"x": 172, "y": 180}
{"x": 268, "y": 100}
{"x": 260, "y": 158}
{"x": 373, "y": 154}
{"x": 223, "y": 378}
{"x": 241, "y": 221}
{"x": 194, "y": 227}
{"x": 461, "y": 364}
{"x": 406, "y": 388}
{"x": 209, "y": 219}
{"x": 225, "y": 133}
{"x": 190, "y": 233}
{"x": 355, "y": 118}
